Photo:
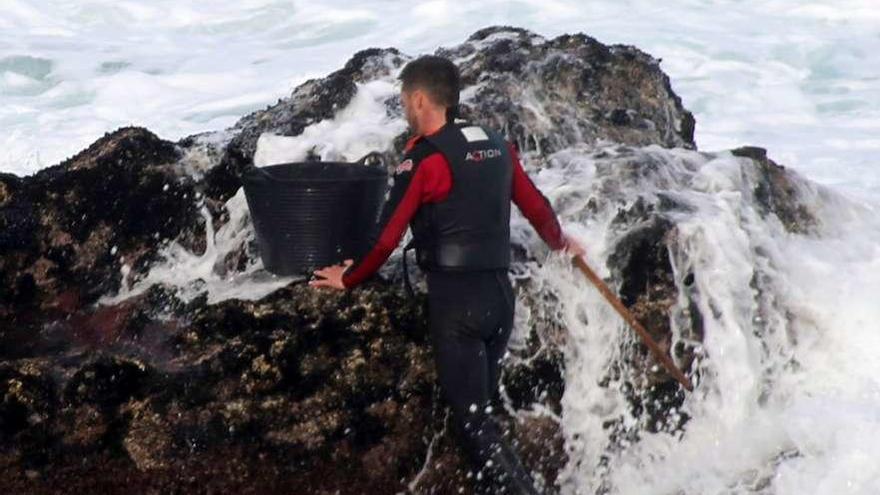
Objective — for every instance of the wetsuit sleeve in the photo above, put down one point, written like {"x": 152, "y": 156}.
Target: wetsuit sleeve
{"x": 534, "y": 205}
{"x": 425, "y": 182}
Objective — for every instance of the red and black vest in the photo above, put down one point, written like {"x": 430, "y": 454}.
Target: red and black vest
{"x": 470, "y": 229}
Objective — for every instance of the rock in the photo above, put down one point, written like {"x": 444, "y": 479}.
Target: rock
{"x": 28, "y": 399}
{"x": 85, "y": 427}
{"x": 107, "y": 382}
{"x": 539, "y": 380}
{"x": 148, "y": 440}
{"x": 540, "y": 442}
{"x": 777, "y": 192}
{"x": 587, "y": 91}
{"x": 72, "y": 226}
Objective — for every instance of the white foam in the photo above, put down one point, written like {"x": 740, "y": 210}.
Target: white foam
{"x": 191, "y": 274}
{"x": 752, "y": 408}
{"x": 361, "y": 127}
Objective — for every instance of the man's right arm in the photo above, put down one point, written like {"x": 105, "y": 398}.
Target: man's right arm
{"x": 534, "y": 205}
{"x": 427, "y": 181}
{"x": 401, "y": 203}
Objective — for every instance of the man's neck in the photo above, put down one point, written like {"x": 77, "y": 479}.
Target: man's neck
{"x": 433, "y": 127}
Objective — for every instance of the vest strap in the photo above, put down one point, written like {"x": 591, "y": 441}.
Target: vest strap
{"x": 485, "y": 253}
{"x": 479, "y": 254}
{"x": 406, "y": 283}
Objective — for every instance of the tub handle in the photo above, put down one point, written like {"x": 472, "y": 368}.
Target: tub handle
{"x": 372, "y": 154}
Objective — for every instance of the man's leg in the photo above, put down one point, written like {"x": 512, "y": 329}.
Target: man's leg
{"x": 496, "y": 344}
{"x": 512, "y": 474}
{"x": 460, "y": 317}
{"x": 462, "y": 370}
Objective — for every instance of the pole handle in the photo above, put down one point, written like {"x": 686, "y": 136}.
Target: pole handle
{"x": 628, "y": 316}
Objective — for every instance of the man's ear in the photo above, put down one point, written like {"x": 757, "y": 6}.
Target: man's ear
{"x": 420, "y": 99}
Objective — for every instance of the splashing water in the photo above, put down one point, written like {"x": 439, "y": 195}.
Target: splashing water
{"x": 361, "y": 127}
{"x": 193, "y": 274}
{"x": 788, "y": 399}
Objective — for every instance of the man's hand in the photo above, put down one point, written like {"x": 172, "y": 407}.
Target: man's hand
{"x": 572, "y": 246}
{"x": 332, "y": 275}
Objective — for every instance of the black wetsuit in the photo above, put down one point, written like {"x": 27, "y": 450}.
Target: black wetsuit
{"x": 470, "y": 320}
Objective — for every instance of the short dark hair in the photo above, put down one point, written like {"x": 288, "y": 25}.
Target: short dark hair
{"x": 438, "y": 76}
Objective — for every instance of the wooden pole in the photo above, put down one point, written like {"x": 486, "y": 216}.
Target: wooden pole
{"x": 618, "y": 305}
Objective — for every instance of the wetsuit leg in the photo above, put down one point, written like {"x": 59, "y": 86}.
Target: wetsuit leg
{"x": 466, "y": 311}
{"x": 496, "y": 345}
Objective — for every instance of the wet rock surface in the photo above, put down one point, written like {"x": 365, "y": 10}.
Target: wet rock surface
{"x": 589, "y": 90}
{"x": 69, "y": 228}
{"x": 304, "y": 390}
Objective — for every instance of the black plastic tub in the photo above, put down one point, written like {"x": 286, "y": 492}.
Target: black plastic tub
{"x": 308, "y": 215}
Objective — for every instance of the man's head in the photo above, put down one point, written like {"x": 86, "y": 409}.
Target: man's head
{"x": 429, "y": 92}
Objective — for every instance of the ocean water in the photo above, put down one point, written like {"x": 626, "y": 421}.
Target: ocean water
{"x": 798, "y": 77}
{"x": 789, "y": 396}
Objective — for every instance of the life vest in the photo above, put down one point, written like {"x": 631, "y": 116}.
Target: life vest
{"x": 470, "y": 229}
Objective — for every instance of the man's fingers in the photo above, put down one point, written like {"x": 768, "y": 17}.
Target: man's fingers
{"x": 574, "y": 249}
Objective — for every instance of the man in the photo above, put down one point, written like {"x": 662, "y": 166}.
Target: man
{"x": 454, "y": 188}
